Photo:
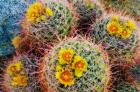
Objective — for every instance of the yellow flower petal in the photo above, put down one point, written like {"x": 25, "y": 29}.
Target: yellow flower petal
{"x": 14, "y": 68}
{"x": 126, "y": 33}
{"x": 78, "y": 73}
{"x": 35, "y": 11}
{"x": 49, "y": 12}
{"x": 79, "y": 65}
{"x": 58, "y": 68}
{"x": 131, "y": 24}
{"x": 113, "y": 27}
{"x": 65, "y": 56}
{"x": 43, "y": 17}
{"x": 19, "y": 80}
{"x": 90, "y": 4}
{"x": 115, "y": 18}
{"x": 65, "y": 77}
{"x": 16, "y": 41}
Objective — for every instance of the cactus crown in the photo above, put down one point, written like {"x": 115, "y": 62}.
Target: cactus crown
{"x": 55, "y": 19}
{"x": 125, "y": 87}
{"x": 20, "y": 75}
{"x": 82, "y": 61}
{"x": 116, "y": 33}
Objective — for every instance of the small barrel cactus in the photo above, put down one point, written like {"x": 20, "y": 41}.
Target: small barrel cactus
{"x": 76, "y": 65}
{"x": 86, "y": 8}
{"x": 135, "y": 74}
{"x": 88, "y": 12}
{"x": 11, "y": 12}
{"x": 125, "y": 87}
{"x": 117, "y": 34}
{"x": 49, "y": 19}
{"x": 127, "y": 7}
{"x": 19, "y": 76}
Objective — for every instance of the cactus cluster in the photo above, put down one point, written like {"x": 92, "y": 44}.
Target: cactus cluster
{"x": 116, "y": 34}
{"x": 19, "y": 75}
{"x": 52, "y": 20}
{"x": 69, "y": 46}
{"x": 129, "y": 7}
{"x": 63, "y": 58}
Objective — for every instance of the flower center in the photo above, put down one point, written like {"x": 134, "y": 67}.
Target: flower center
{"x": 66, "y": 76}
{"x": 114, "y": 28}
{"x": 79, "y": 65}
{"x": 67, "y": 56}
{"x": 125, "y": 33}
{"x": 13, "y": 68}
{"x": 24, "y": 81}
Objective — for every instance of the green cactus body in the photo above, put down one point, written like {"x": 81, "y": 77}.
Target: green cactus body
{"x": 86, "y": 8}
{"x": 95, "y": 78}
{"x": 58, "y": 24}
{"x": 114, "y": 42}
{"x": 88, "y": 12}
{"x": 19, "y": 76}
{"x": 129, "y": 6}
{"x": 125, "y": 87}
{"x": 135, "y": 73}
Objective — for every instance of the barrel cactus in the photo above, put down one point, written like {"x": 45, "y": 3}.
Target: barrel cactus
{"x": 125, "y": 87}
{"x": 88, "y": 12}
{"x": 135, "y": 74}
{"x": 86, "y": 8}
{"x": 128, "y": 7}
{"x": 19, "y": 76}
{"x": 77, "y": 65}
{"x": 49, "y": 19}
{"x": 11, "y": 12}
{"x": 116, "y": 33}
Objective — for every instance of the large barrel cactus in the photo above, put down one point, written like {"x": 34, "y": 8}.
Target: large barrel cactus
{"x": 116, "y": 33}
{"x": 88, "y": 12}
{"x": 134, "y": 74}
{"x": 86, "y": 8}
{"x": 11, "y": 12}
{"x": 125, "y": 87}
{"x": 127, "y": 7}
{"x": 19, "y": 76}
{"x": 49, "y": 19}
{"x": 76, "y": 65}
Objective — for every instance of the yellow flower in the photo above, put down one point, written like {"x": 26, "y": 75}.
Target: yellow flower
{"x": 43, "y": 17}
{"x": 131, "y": 24}
{"x": 58, "y": 68}
{"x": 115, "y": 18}
{"x": 49, "y": 12}
{"x": 16, "y": 41}
{"x": 66, "y": 55}
{"x": 113, "y": 27}
{"x": 65, "y": 77}
{"x": 80, "y": 65}
{"x": 14, "y": 68}
{"x": 90, "y": 4}
{"x": 126, "y": 33}
{"x": 19, "y": 80}
{"x": 35, "y": 11}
